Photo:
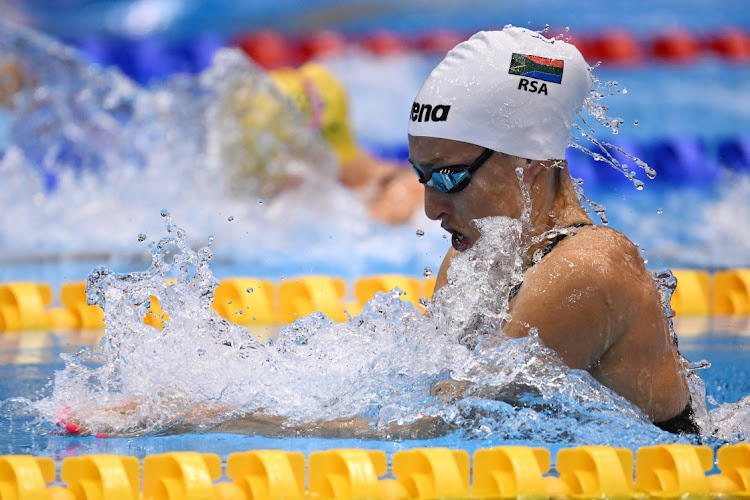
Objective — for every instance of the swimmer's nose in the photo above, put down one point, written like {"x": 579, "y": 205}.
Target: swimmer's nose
{"x": 436, "y": 204}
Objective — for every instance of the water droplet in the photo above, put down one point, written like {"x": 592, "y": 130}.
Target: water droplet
{"x": 164, "y": 213}
{"x": 445, "y": 236}
{"x": 638, "y": 184}
{"x": 420, "y": 233}
{"x": 210, "y": 238}
{"x": 230, "y": 218}
{"x": 624, "y": 91}
{"x": 636, "y": 122}
{"x": 141, "y": 237}
{"x": 624, "y": 197}
{"x": 229, "y": 302}
{"x": 427, "y": 272}
{"x": 650, "y": 172}
{"x": 660, "y": 211}
{"x": 260, "y": 201}
{"x": 250, "y": 290}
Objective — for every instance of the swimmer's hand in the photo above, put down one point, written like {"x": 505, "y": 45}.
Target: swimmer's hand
{"x": 74, "y": 423}
{"x": 126, "y": 420}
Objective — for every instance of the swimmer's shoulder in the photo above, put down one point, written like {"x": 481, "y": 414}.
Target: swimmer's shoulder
{"x": 592, "y": 255}
{"x": 599, "y": 246}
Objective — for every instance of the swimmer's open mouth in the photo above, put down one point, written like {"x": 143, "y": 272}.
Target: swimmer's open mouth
{"x": 457, "y": 240}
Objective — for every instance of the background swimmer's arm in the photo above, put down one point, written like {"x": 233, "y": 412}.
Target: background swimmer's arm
{"x": 581, "y": 297}
{"x": 11, "y": 82}
{"x": 442, "y": 276}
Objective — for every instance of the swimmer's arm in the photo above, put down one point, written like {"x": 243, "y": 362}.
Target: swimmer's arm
{"x": 580, "y": 298}
{"x": 11, "y": 81}
{"x": 257, "y": 423}
{"x": 343, "y": 428}
{"x": 442, "y": 276}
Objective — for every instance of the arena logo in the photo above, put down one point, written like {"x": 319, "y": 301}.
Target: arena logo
{"x": 427, "y": 112}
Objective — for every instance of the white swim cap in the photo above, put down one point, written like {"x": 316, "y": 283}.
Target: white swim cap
{"x": 513, "y": 91}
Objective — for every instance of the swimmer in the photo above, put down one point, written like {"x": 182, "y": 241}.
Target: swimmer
{"x": 389, "y": 189}
{"x": 588, "y": 293}
{"x": 269, "y": 131}
{"x": 504, "y": 102}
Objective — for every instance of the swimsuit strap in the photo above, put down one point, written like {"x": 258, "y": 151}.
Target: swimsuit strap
{"x": 544, "y": 251}
{"x": 557, "y": 239}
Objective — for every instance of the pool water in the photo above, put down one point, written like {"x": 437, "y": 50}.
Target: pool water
{"x": 29, "y": 359}
{"x": 91, "y": 220}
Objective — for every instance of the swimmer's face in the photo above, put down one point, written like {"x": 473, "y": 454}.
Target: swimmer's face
{"x": 492, "y": 191}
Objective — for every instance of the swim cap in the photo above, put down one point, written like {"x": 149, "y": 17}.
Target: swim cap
{"x": 322, "y": 98}
{"x": 512, "y": 91}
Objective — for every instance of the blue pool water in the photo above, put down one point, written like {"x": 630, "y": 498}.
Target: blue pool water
{"x": 30, "y": 359}
{"x": 61, "y": 235}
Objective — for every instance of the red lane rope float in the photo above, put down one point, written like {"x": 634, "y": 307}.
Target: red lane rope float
{"x": 385, "y": 43}
{"x": 439, "y": 41}
{"x": 618, "y": 46}
{"x": 270, "y": 49}
{"x": 731, "y": 43}
{"x": 614, "y": 46}
{"x": 676, "y": 46}
{"x": 323, "y": 44}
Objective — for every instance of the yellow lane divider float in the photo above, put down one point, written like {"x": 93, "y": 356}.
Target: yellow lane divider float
{"x": 663, "y": 471}
{"x": 252, "y": 301}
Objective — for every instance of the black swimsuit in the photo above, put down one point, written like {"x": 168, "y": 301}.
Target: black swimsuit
{"x": 683, "y": 423}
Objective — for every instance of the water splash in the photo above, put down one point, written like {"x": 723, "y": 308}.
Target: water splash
{"x": 225, "y": 137}
{"x": 380, "y": 366}
{"x": 603, "y": 151}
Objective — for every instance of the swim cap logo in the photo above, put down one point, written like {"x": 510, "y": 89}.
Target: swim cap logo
{"x": 538, "y": 68}
{"x": 426, "y": 112}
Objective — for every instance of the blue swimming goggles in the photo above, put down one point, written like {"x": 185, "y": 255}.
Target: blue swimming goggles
{"x": 451, "y": 178}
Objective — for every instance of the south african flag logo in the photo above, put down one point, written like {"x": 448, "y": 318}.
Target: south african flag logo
{"x": 541, "y": 68}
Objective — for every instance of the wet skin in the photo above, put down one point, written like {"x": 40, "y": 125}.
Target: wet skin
{"x": 591, "y": 298}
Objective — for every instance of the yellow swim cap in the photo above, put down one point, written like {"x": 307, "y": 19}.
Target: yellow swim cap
{"x": 322, "y": 98}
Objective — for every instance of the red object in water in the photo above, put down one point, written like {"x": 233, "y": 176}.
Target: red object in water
{"x": 100, "y": 435}
{"x": 322, "y": 44}
{"x": 385, "y": 43}
{"x": 613, "y": 46}
{"x": 269, "y": 49}
{"x": 676, "y": 46}
{"x": 72, "y": 429}
{"x": 732, "y": 43}
{"x": 439, "y": 41}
